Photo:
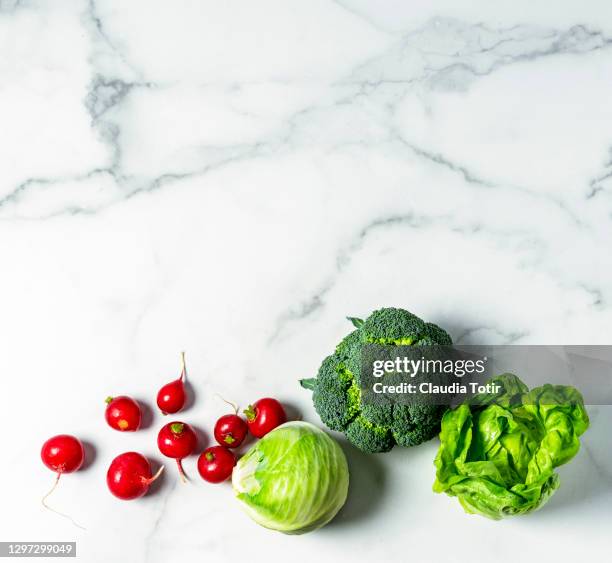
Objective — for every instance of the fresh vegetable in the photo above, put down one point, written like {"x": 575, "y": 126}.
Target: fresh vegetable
{"x": 62, "y": 454}
{"x": 337, "y": 392}
{"x": 230, "y": 430}
{"x": 123, "y": 413}
{"x": 177, "y": 440}
{"x": 264, "y": 415}
{"x": 129, "y": 476}
{"x": 294, "y": 480}
{"x": 498, "y": 453}
{"x": 215, "y": 464}
{"x": 171, "y": 397}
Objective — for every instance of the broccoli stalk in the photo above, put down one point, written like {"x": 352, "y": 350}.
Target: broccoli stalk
{"x": 337, "y": 395}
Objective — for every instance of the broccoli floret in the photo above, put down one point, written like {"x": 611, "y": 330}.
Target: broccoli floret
{"x": 368, "y": 437}
{"x": 347, "y": 345}
{"x": 392, "y": 326}
{"x": 330, "y": 395}
{"x": 336, "y": 396}
{"x": 432, "y": 334}
{"x": 415, "y": 424}
{"x": 337, "y": 393}
{"x": 378, "y": 414}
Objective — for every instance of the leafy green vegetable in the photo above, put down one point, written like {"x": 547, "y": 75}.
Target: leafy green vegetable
{"x": 498, "y": 453}
{"x": 294, "y": 480}
{"x": 337, "y": 393}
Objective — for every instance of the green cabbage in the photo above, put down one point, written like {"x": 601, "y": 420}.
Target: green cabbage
{"x": 294, "y": 480}
{"x": 498, "y": 453}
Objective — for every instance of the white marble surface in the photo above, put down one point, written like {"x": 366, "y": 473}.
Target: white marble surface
{"x": 232, "y": 179}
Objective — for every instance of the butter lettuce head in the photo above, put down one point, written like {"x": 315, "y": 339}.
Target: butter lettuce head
{"x": 498, "y": 454}
{"x": 294, "y": 480}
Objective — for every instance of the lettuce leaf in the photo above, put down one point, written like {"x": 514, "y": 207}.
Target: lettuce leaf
{"x": 498, "y": 453}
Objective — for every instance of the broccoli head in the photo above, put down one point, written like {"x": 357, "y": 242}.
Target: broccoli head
{"x": 337, "y": 392}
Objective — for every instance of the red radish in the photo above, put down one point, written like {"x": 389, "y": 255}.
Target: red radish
{"x": 264, "y": 415}
{"x": 177, "y": 440}
{"x": 123, "y": 413}
{"x": 230, "y": 430}
{"x": 215, "y": 464}
{"x": 63, "y": 454}
{"x": 171, "y": 397}
{"x": 129, "y": 476}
